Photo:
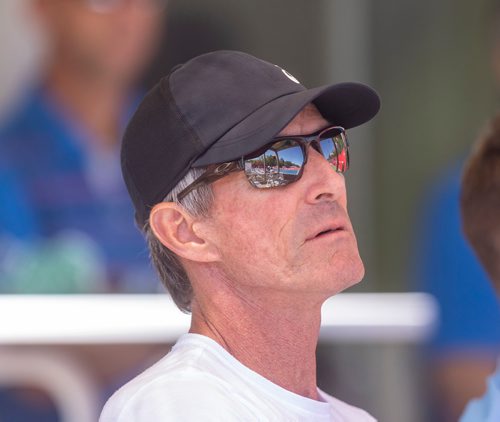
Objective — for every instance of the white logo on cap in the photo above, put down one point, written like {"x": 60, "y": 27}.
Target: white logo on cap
{"x": 289, "y": 75}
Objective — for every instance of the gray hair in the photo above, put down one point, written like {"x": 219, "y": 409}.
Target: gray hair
{"x": 168, "y": 266}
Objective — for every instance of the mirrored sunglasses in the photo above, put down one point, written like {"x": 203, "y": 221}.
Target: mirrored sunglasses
{"x": 281, "y": 161}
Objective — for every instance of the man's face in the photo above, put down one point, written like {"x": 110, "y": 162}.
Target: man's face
{"x": 293, "y": 238}
{"x": 107, "y": 39}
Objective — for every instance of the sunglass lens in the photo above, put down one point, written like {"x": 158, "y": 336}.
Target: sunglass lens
{"x": 335, "y": 150}
{"x": 279, "y": 165}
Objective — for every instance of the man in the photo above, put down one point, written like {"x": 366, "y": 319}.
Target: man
{"x": 464, "y": 346}
{"x": 235, "y": 171}
{"x": 480, "y": 206}
{"x": 59, "y": 151}
{"x": 65, "y": 211}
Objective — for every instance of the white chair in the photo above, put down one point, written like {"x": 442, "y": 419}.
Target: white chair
{"x": 68, "y": 385}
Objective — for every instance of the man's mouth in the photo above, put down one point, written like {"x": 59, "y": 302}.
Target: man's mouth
{"x": 324, "y": 232}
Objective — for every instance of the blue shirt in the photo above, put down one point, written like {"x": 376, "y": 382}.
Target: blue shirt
{"x": 55, "y": 179}
{"x": 447, "y": 268}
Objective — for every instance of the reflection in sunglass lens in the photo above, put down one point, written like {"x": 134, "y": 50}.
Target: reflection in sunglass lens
{"x": 279, "y": 165}
{"x": 334, "y": 149}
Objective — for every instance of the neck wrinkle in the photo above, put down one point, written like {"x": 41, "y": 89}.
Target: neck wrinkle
{"x": 275, "y": 338}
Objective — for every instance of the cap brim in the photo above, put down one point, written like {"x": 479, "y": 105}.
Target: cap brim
{"x": 347, "y": 104}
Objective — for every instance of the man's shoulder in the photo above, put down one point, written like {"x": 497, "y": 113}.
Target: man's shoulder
{"x": 344, "y": 411}
{"x": 169, "y": 395}
{"x": 177, "y": 385}
{"x": 29, "y": 108}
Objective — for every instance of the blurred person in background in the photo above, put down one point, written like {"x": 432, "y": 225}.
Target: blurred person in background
{"x": 463, "y": 349}
{"x": 480, "y": 206}
{"x": 64, "y": 210}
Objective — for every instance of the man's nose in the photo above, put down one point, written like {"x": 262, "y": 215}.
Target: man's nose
{"x": 321, "y": 180}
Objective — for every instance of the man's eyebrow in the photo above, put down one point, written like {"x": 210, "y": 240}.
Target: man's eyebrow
{"x": 316, "y": 132}
{"x": 320, "y": 130}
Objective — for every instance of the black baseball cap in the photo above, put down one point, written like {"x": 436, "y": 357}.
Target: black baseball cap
{"x": 218, "y": 107}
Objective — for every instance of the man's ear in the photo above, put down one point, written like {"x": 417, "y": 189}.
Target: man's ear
{"x": 180, "y": 232}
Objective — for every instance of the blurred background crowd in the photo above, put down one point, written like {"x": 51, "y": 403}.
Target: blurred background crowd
{"x": 71, "y": 74}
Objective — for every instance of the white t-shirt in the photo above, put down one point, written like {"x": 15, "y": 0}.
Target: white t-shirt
{"x": 200, "y": 381}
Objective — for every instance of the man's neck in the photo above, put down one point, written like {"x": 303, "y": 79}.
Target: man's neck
{"x": 275, "y": 339}
{"x": 97, "y": 105}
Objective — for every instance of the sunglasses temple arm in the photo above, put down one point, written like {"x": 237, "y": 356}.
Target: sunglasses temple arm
{"x": 207, "y": 178}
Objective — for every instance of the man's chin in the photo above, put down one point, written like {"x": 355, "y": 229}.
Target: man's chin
{"x": 360, "y": 273}
{"x": 351, "y": 274}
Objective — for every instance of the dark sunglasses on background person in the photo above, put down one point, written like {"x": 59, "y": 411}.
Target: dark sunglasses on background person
{"x": 110, "y": 6}
{"x": 281, "y": 161}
